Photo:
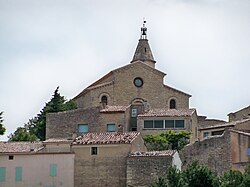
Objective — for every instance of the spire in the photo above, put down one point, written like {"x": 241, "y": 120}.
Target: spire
{"x": 143, "y": 51}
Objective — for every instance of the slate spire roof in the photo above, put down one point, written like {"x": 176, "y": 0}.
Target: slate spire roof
{"x": 143, "y": 51}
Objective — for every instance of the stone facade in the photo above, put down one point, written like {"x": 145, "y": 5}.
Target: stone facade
{"x": 213, "y": 152}
{"x": 137, "y": 88}
{"x": 240, "y": 114}
{"x": 144, "y": 168}
{"x": 108, "y": 166}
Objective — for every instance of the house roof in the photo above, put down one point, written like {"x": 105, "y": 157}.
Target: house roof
{"x": 57, "y": 140}
{"x": 164, "y": 112}
{"x": 106, "y": 138}
{"x": 20, "y": 147}
{"x": 111, "y": 109}
{"x": 227, "y": 124}
{"x": 169, "y": 153}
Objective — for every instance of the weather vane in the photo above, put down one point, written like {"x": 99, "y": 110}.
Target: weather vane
{"x": 144, "y": 30}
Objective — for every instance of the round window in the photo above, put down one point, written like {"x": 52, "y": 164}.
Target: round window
{"x": 138, "y": 82}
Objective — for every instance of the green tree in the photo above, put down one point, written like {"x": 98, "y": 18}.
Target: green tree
{"x": 2, "y": 128}
{"x": 160, "y": 182}
{"x": 232, "y": 178}
{"x": 167, "y": 140}
{"x": 197, "y": 175}
{"x": 22, "y": 134}
{"x": 246, "y": 177}
{"x": 174, "y": 177}
{"x": 37, "y": 125}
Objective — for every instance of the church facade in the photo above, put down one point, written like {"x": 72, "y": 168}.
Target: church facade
{"x": 130, "y": 98}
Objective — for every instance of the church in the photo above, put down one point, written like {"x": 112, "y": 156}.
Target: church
{"x": 130, "y": 98}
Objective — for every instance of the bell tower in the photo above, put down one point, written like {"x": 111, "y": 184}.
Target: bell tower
{"x": 143, "y": 51}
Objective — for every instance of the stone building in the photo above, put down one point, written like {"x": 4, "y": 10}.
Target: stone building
{"x": 100, "y": 158}
{"x": 145, "y": 167}
{"x": 130, "y": 98}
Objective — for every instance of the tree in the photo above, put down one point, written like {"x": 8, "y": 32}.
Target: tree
{"x": 22, "y": 134}
{"x": 168, "y": 140}
{"x": 174, "y": 177}
{"x": 197, "y": 175}
{"x": 231, "y": 178}
{"x": 246, "y": 177}
{"x": 37, "y": 125}
{"x": 160, "y": 182}
{"x": 2, "y": 128}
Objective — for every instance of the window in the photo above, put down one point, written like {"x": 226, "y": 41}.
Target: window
{"x": 172, "y": 104}
{"x": 248, "y": 153}
{"x": 53, "y": 170}
{"x": 111, "y": 128}
{"x": 11, "y": 157}
{"x": 138, "y": 82}
{"x": 93, "y": 150}
{"x": 104, "y": 100}
{"x": 83, "y": 128}
{"x": 2, "y": 174}
{"x": 134, "y": 112}
{"x": 179, "y": 123}
{"x": 205, "y": 134}
{"x": 158, "y": 123}
{"x": 169, "y": 123}
{"x": 148, "y": 124}
{"x": 214, "y": 133}
{"x": 19, "y": 174}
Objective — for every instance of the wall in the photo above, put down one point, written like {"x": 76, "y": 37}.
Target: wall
{"x": 107, "y": 168}
{"x": 240, "y": 143}
{"x": 64, "y": 124}
{"x": 215, "y": 152}
{"x": 36, "y": 170}
{"x": 141, "y": 171}
{"x": 241, "y": 114}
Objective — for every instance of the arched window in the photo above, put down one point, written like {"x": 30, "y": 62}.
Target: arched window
{"x": 104, "y": 100}
{"x": 172, "y": 104}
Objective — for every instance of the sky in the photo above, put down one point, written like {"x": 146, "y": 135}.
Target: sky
{"x": 202, "y": 45}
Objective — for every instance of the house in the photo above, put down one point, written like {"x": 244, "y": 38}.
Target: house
{"x": 145, "y": 167}
{"x": 240, "y": 114}
{"x": 26, "y": 164}
{"x": 130, "y": 98}
{"x": 100, "y": 158}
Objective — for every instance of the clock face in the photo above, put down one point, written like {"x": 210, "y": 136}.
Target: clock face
{"x": 138, "y": 82}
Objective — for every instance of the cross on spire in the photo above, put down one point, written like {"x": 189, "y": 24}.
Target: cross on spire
{"x": 144, "y": 30}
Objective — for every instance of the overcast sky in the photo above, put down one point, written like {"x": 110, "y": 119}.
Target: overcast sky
{"x": 202, "y": 45}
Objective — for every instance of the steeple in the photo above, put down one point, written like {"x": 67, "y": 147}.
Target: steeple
{"x": 143, "y": 51}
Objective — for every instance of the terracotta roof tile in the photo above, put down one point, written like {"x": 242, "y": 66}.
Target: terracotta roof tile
{"x": 106, "y": 138}
{"x": 20, "y": 147}
{"x": 164, "y": 112}
{"x": 153, "y": 153}
{"x": 115, "y": 108}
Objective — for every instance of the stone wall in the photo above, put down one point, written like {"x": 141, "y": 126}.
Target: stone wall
{"x": 215, "y": 152}
{"x": 240, "y": 114}
{"x": 64, "y": 124}
{"x": 142, "y": 171}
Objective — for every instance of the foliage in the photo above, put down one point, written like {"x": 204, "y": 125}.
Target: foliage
{"x": 167, "y": 140}
{"x": 174, "y": 177}
{"x": 197, "y": 175}
{"x": 231, "y": 178}
{"x": 22, "y": 134}
{"x": 160, "y": 182}
{"x": 2, "y": 128}
{"x": 37, "y": 125}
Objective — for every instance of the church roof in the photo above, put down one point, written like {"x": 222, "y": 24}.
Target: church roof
{"x": 164, "y": 112}
{"x": 106, "y": 138}
{"x": 143, "y": 51}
